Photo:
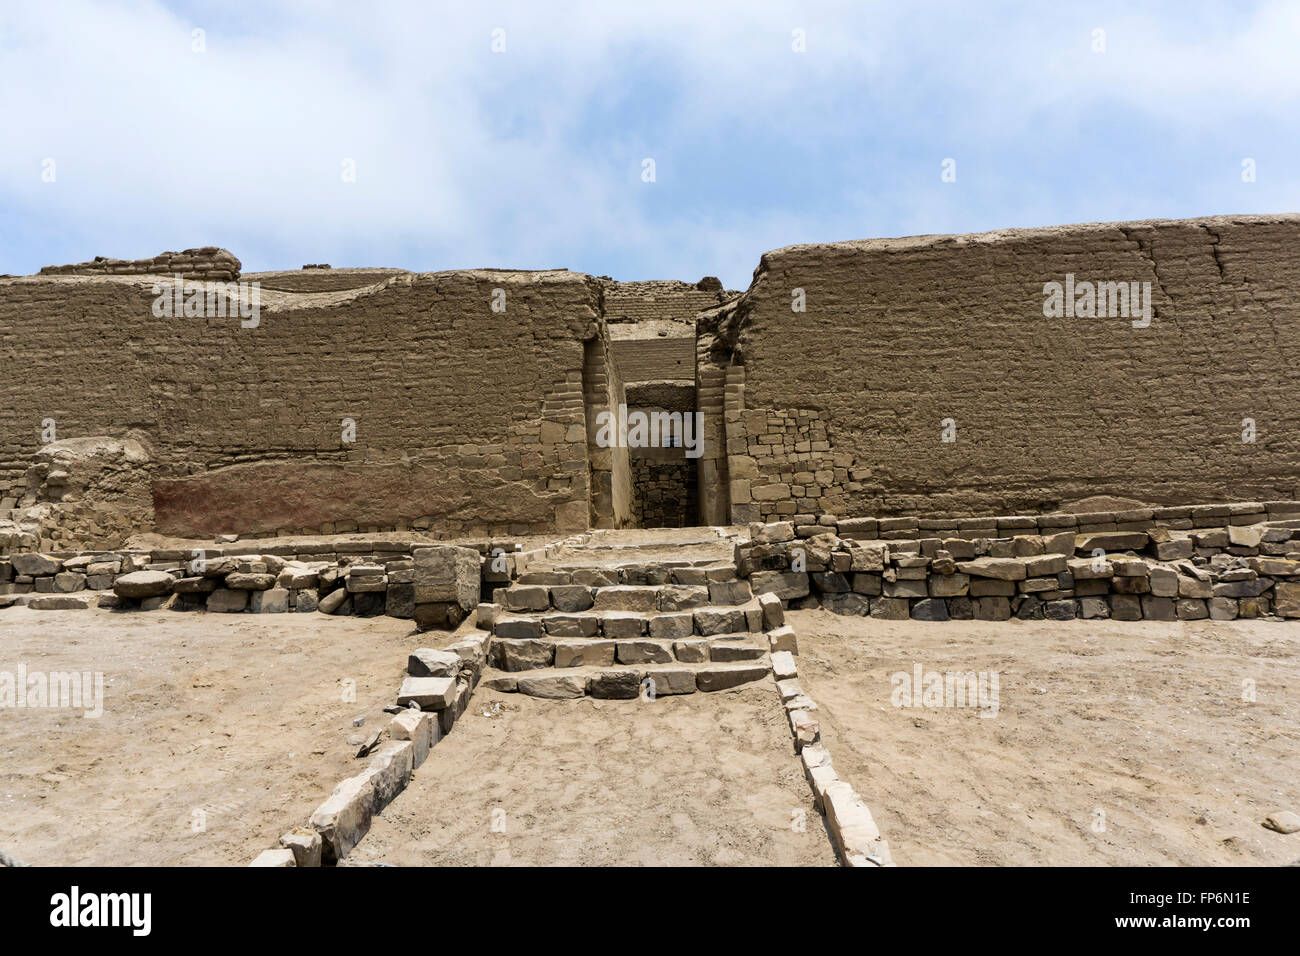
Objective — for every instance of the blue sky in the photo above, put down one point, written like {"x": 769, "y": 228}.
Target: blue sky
{"x": 532, "y": 157}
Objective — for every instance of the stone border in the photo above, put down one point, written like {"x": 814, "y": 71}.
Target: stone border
{"x": 1177, "y": 517}
{"x": 405, "y": 580}
{"x": 853, "y": 830}
{"x": 1248, "y": 571}
{"x": 435, "y": 695}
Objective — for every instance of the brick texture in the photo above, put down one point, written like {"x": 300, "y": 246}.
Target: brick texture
{"x": 844, "y": 403}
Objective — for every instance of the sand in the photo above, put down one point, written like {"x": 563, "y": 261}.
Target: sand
{"x": 697, "y": 780}
{"x": 239, "y": 716}
{"x": 242, "y": 717}
{"x": 1114, "y": 743}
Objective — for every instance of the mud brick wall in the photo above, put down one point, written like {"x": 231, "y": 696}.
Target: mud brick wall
{"x": 466, "y": 418}
{"x": 657, "y": 359}
{"x": 610, "y": 479}
{"x": 320, "y": 280}
{"x": 208, "y": 262}
{"x": 845, "y": 402}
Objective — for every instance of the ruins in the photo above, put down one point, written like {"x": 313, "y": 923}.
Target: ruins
{"x": 913, "y": 389}
{"x": 604, "y": 486}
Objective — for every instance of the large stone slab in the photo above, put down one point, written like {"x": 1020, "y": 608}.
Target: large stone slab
{"x": 227, "y": 600}
{"x": 270, "y": 601}
{"x": 724, "y": 676}
{"x": 427, "y": 693}
{"x": 1000, "y": 569}
{"x": 720, "y": 620}
{"x": 1286, "y": 601}
{"x": 584, "y": 653}
{"x": 623, "y": 624}
{"x": 683, "y": 597}
{"x": 518, "y": 628}
{"x": 427, "y": 662}
{"x": 731, "y": 651}
{"x": 523, "y": 598}
{"x": 1110, "y": 541}
{"x": 419, "y": 728}
{"x": 571, "y": 597}
{"x": 786, "y": 585}
{"x": 773, "y": 611}
{"x": 447, "y": 574}
{"x": 141, "y": 584}
{"x": 670, "y": 680}
{"x": 344, "y": 818}
{"x": 35, "y": 563}
{"x": 643, "y": 652}
{"x": 615, "y": 685}
{"x": 626, "y": 598}
{"x": 523, "y": 655}
{"x": 278, "y": 857}
{"x": 553, "y": 686}
{"x": 58, "y": 602}
{"x": 572, "y": 625}
{"x": 674, "y": 625}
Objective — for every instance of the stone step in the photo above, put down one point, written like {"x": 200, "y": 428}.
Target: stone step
{"x": 620, "y": 597}
{"x": 514, "y": 655}
{"x": 597, "y": 575}
{"x": 626, "y": 683}
{"x": 706, "y": 621}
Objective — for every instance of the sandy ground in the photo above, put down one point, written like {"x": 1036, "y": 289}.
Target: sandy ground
{"x": 703, "y": 779}
{"x": 239, "y": 716}
{"x": 1136, "y": 729}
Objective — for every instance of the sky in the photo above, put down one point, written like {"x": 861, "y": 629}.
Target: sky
{"x": 444, "y": 135}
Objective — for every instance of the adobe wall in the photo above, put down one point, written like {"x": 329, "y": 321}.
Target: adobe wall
{"x": 466, "y": 418}
{"x": 840, "y": 409}
{"x": 208, "y": 262}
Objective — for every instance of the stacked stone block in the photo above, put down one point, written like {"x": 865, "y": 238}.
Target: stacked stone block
{"x": 435, "y": 586}
{"x": 208, "y": 263}
{"x": 1248, "y": 571}
{"x": 664, "y": 492}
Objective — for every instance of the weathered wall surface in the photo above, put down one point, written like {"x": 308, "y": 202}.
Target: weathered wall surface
{"x": 470, "y": 419}
{"x": 844, "y": 403}
{"x": 610, "y": 480}
{"x": 320, "y": 279}
{"x": 466, "y": 418}
{"x": 207, "y": 262}
{"x": 666, "y": 359}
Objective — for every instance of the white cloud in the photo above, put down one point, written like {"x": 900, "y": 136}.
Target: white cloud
{"x": 531, "y": 158}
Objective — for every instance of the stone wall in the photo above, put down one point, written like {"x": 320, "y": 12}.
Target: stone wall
{"x": 905, "y": 342}
{"x": 435, "y": 585}
{"x": 82, "y": 491}
{"x": 465, "y": 418}
{"x": 664, "y": 490}
{"x": 207, "y": 262}
{"x": 1219, "y": 573}
{"x": 874, "y": 379}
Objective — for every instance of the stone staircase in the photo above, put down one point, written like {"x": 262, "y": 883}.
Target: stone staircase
{"x": 620, "y": 621}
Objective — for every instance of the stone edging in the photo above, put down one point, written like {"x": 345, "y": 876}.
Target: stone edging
{"x": 434, "y": 697}
{"x": 851, "y": 826}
